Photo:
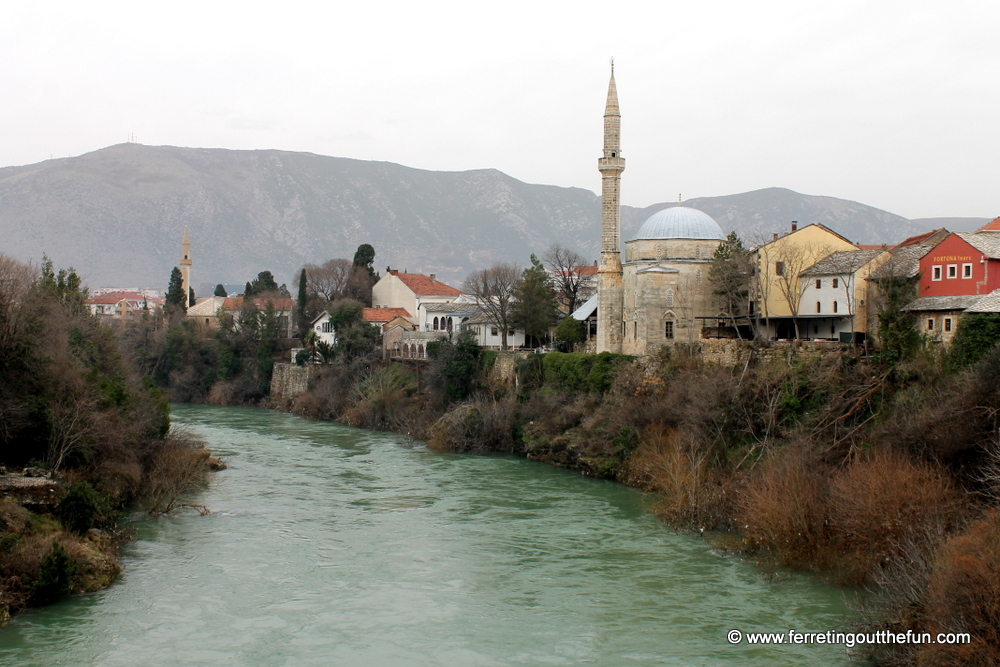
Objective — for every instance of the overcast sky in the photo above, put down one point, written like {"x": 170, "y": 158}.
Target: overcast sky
{"x": 893, "y": 104}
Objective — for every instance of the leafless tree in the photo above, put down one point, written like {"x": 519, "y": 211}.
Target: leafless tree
{"x": 493, "y": 289}
{"x": 330, "y": 279}
{"x": 572, "y": 286}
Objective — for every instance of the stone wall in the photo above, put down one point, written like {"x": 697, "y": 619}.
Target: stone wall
{"x": 505, "y": 369}
{"x": 731, "y": 352}
{"x": 290, "y": 380}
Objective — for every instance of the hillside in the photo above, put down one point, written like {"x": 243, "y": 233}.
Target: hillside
{"x": 117, "y": 214}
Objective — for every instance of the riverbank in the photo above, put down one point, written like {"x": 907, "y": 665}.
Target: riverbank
{"x": 76, "y": 413}
{"x": 868, "y": 475}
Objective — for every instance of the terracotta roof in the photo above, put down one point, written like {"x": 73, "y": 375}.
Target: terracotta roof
{"x": 422, "y": 285}
{"x": 382, "y": 314}
{"x": 991, "y": 226}
{"x": 586, "y": 270}
{"x": 115, "y": 297}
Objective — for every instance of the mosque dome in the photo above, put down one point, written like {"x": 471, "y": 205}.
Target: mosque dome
{"x": 680, "y": 222}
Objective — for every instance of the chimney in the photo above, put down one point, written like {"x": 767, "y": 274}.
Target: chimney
{"x": 795, "y": 225}
{"x": 775, "y": 237}
{"x": 433, "y": 276}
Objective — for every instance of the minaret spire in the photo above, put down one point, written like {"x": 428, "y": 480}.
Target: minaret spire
{"x": 185, "y": 264}
{"x": 609, "y": 275}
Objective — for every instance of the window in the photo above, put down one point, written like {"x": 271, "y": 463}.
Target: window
{"x": 670, "y": 298}
{"x": 953, "y": 270}
{"x": 947, "y": 324}
{"x": 819, "y": 283}
{"x": 450, "y": 323}
{"x": 819, "y": 308}
{"x": 510, "y": 332}
{"x": 635, "y": 329}
{"x": 967, "y": 270}
{"x": 936, "y": 273}
{"x": 836, "y": 283}
{"x": 668, "y": 329}
{"x": 834, "y": 306}
{"x": 435, "y": 324}
{"x": 494, "y": 331}
{"x": 930, "y": 325}
{"x": 779, "y": 268}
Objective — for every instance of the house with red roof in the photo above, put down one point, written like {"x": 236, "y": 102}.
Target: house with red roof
{"x": 121, "y": 304}
{"x": 419, "y": 295}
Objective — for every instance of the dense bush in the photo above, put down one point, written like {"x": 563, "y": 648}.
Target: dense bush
{"x": 81, "y": 507}
{"x": 976, "y": 335}
{"x": 575, "y": 371}
{"x": 55, "y": 578}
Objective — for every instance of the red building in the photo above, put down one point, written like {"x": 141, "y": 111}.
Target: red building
{"x": 963, "y": 264}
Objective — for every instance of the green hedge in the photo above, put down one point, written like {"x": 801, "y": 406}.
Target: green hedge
{"x": 579, "y": 372}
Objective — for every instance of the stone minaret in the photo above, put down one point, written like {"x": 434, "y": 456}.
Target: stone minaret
{"x": 185, "y": 264}
{"x": 609, "y": 273}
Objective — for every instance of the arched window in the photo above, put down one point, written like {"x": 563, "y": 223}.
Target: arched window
{"x": 819, "y": 307}
{"x": 435, "y": 324}
{"x": 670, "y": 298}
{"x": 668, "y": 329}
{"x": 834, "y": 306}
{"x": 697, "y": 253}
{"x": 697, "y": 276}
{"x": 420, "y": 349}
{"x": 661, "y": 251}
{"x": 449, "y": 324}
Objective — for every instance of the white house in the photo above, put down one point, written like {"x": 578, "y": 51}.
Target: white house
{"x": 835, "y": 296}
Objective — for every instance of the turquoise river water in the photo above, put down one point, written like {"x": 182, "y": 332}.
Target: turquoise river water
{"x": 328, "y": 545}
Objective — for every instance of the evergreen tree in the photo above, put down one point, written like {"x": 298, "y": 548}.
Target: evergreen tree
{"x": 303, "y": 299}
{"x": 175, "y": 290}
{"x": 730, "y": 273}
{"x": 191, "y": 299}
{"x": 220, "y": 290}
{"x": 569, "y": 332}
{"x": 534, "y": 308}
{"x": 364, "y": 257}
{"x": 248, "y": 290}
{"x": 264, "y": 282}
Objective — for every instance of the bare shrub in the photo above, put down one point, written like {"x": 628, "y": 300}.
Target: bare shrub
{"x": 693, "y": 490}
{"x": 177, "y": 470}
{"x": 883, "y": 500}
{"x": 478, "y": 428}
{"x": 782, "y": 509}
{"x": 964, "y": 596}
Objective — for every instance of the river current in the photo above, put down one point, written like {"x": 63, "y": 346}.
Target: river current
{"x": 328, "y": 545}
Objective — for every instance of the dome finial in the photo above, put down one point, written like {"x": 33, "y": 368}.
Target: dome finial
{"x": 612, "y": 65}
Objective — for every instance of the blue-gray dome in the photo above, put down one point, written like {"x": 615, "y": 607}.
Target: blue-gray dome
{"x": 680, "y": 222}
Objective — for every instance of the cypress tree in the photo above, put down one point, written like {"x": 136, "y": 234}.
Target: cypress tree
{"x": 175, "y": 289}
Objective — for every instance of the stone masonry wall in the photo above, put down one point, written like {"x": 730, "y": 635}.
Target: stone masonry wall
{"x": 290, "y": 380}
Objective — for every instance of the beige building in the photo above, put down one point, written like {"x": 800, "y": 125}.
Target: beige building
{"x": 780, "y": 286}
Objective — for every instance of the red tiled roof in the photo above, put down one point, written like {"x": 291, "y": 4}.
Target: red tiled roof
{"x": 382, "y": 314}
{"x": 114, "y": 297}
{"x": 991, "y": 226}
{"x": 586, "y": 270}
{"x": 421, "y": 285}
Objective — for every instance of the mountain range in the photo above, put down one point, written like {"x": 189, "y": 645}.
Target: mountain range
{"x": 117, "y": 215}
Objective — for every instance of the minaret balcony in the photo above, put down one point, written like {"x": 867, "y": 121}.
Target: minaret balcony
{"x": 611, "y": 164}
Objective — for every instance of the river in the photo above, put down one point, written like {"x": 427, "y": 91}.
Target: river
{"x": 329, "y": 545}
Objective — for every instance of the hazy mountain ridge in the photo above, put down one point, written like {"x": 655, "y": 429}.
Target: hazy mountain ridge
{"x": 117, "y": 214}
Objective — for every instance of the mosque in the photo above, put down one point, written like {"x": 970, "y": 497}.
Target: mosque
{"x": 661, "y": 294}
